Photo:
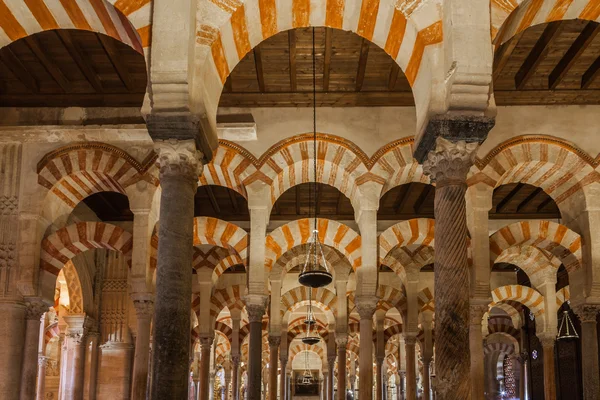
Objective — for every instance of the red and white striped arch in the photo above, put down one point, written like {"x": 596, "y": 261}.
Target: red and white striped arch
{"x": 298, "y": 347}
{"x": 536, "y": 263}
{"x": 230, "y": 167}
{"x": 512, "y": 312}
{"x": 402, "y": 259}
{"x": 64, "y": 244}
{"x": 76, "y": 171}
{"x": 403, "y": 31}
{"x": 503, "y": 348}
{"x": 389, "y": 298}
{"x": 417, "y": 231}
{"x": 502, "y": 324}
{"x": 128, "y": 21}
{"x": 51, "y": 331}
{"x": 230, "y": 297}
{"x": 220, "y": 233}
{"x": 563, "y": 295}
{"x": 298, "y": 232}
{"x": 549, "y": 236}
{"x": 526, "y": 296}
{"x": 554, "y": 165}
{"x": 297, "y": 297}
{"x": 510, "y": 17}
{"x": 225, "y": 330}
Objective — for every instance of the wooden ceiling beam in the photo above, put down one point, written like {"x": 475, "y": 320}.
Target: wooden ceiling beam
{"x": 228, "y": 84}
{"x": 233, "y": 200}
{"x": 48, "y": 64}
{"x": 317, "y": 198}
{"x": 402, "y": 198}
{"x": 329, "y": 99}
{"x": 529, "y": 198}
{"x": 260, "y": 76}
{"x": 537, "y": 54}
{"x": 504, "y": 54}
{"x": 327, "y": 57}
{"x": 297, "y": 199}
{"x": 394, "y": 72}
{"x": 508, "y": 197}
{"x": 115, "y": 58}
{"x": 590, "y": 75}
{"x": 418, "y": 206}
{"x": 362, "y": 64}
{"x": 213, "y": 200}
{"x": 15, "y": 65}
{"x": 572, "y": 55}
{"x": 338, "y": 204}
{"x": 292, "y": 44}
{"x": 80, "y": 60}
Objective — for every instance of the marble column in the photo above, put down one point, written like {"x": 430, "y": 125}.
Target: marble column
{"x": 341, "y": 342}
{"x": 411, "y": 370}
{"x": 90, "y": 381}
{"x": 144, "y": 307}
{"x": 331, "y": 364}
{"x": 426, "y": 379}
{"x": 589, "y": 345}
{"x": 75, "y": 345}
{"x": 402, "y": 386}
{"x": 448, "y": 165}
{"x": 476, "y": 346}
{"x": 548, "y": 342}
{"x": 379, "y": 378}
{"x": 274, "y": 342}
{"x": 33, "y": 313}
{"x": 179, "y": 167}
{"x": 40, "y": 393}
{"x": 235, "y": 377}
{"x": 256, "y": 310}
{"x": 205, "y": 349}
{"x": 12, "y": 332}
{"x": 282, "y": 375}
{"x": 366, "y": 308}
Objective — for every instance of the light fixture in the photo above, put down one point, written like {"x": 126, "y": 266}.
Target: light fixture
{"x": 314, "y": 274}
{"x": 307, "y": 377}
{"x": 566, "y": 330}
{"x": 310, "y": 338}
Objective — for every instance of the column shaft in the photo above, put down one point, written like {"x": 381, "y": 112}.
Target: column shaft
{"x": 12, "y": 332}
{"x": 255, "y": 313}
{"x": 379, "y": 390}
{"x": 366, "y": 308}
{"x": 76, "y": 354}
{"x": 205, "y": 348}
{"x": 411, "y": 371}
{"x": 426, "y": 381}
{"x": 331, "y": 365}
{"x": 274, "y": 342}
{"x": 476, "y": 346}
{"x": 589, "y": 345}
{"x": 90, "y": 382}
{"x": 235, "y": 371}
{"x": 41, "y": 378}
{"x": 341, "y": 343}
{"x": 34, "y": 311}
{"x": 282, "y": 378}
{"x": 178, "y": 162}
{"x": 144, "y": 309}
{"x": 549, "y": 376}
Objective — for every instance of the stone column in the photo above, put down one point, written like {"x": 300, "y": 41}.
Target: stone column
{"x": 91, "y": 366}
{"x": 179, "y": 170}
{"x": 144, "y": 307}
{"x": 476, "y": 346}
{"x": 282, "y": 377}
{"x": 75, "y": 345}
{"x": 426, "y": 379}
{"x": 205, "y": 348}
{"x": 256, "y": 310}
{"x": 366, "y": 308}
{"x": 341, "y": 342}
{"x": 589, "y": 345}
{"x": 549, "y": 376}
{"x": 411, "y": 370}
{"x": 12, "y": 332}
{"x": 448, "y": 165}
{"x": 235, "y": 378}
{"x": 41, "y": 378}
{"x": 402, "y": 390}
{"x": 33, "y": 313}
{"x": 274, "y": 342}
{"x": 379, "y": 378}
{"x": 331, "y": 364}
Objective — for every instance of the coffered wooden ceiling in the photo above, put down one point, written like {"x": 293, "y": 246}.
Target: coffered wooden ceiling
{"x": 554, "y": 63}
{"x": 63, "y": 68}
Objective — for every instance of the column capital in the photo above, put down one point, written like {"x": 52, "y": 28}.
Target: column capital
{"x": 143, "y": 304}
{"x": 587, "y": 312}
{"x": 331, "y": 361}
{"x": 235, "y": 360}
{"x": 34, "y": 308}
{"x": 366, "y": 306}
{"x": 206, "y": 341}
{"x": 380, "y": 360}
{"x": 283, "y": 360}
{"x": 43, "y": 361}
{"x": 450, "y": 161}
{"x": 178, "y": 158}
{"x": 547, "y": 339}
{"x": 476, "y": 312}
{"x": 255, "y": 306}
{"x": 410, "y": 339}
{"x": 341, "y": 340}
{"x": 274, "y": 341}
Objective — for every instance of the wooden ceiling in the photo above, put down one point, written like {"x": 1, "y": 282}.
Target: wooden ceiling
{"x": 413, "y": 200}
{"x": 66, "y": 68}
{"x": 554, "y": 63}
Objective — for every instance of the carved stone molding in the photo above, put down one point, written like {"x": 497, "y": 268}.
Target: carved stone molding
{"x": 43, "y": 361}
{"x": 410, "y": 340}
{"x": 206, "y": 341}
{"x": 274, "y": 341}
{"x": 476, "y": 312}
{"x": 366, "y": 306}
{"x": 331, "y": 361}
{"x": 34, "y": 309}
{"x": 178, "y": 158}
{"x": 449, "y": 162}
{"x": 144, "y": 308}
{"x": 283, "y": 360}
{"x": 587, "y": 312}
{"x": 341, "y": 340}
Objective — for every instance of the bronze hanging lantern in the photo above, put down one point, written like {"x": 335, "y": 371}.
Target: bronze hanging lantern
{"x": 566, "y": 330}
{"x": 315, "y": 273}
{"x": 311, "y": 337}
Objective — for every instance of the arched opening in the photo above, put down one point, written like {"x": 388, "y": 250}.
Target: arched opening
{"x": 108, "y": 206}
{"x": 411, "y": 200}
{"x": 522, "y": 201}
{"x": 220, "y": 202}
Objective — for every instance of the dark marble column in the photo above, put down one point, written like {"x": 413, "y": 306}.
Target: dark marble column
{"x": 282, "y": 378}
{"x": 144, "y": 308}
{"x": 379, "y": 378}
{"x": 411, "y": 371}
{"x": 235, "y": 377}
{"x": 448, "y": 165}
{"x": 179, "y": 170}
{"x": 366, "y": 308}
{"x": 341, "y": 342}
{"x": 204, "y": 374}
{"x": 256, "y": 310}
{"x": 331, "y": 364}
{"x": 274, "y": 342}
{"x": 34, "y": 310}
{"x": 589, "y": 345}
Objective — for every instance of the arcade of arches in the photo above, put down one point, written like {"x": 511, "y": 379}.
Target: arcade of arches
{"x": 157, "y": 194}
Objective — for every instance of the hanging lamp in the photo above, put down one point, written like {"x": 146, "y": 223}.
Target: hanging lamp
{"x": 307, "y": 377}
{"x": 566, "y": 330}
{"x": 315, "y": 273}
{"x": 312, "y": 337}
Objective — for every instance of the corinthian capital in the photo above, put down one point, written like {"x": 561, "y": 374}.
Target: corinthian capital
{"x": 587, "y": 312}
{"x": 366, "y": 306}
{"x": 35, "y": 308}
{"x": 178, "y": 158}
{"x": 274, "y": 341}
{"x": 449, "y": 162}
